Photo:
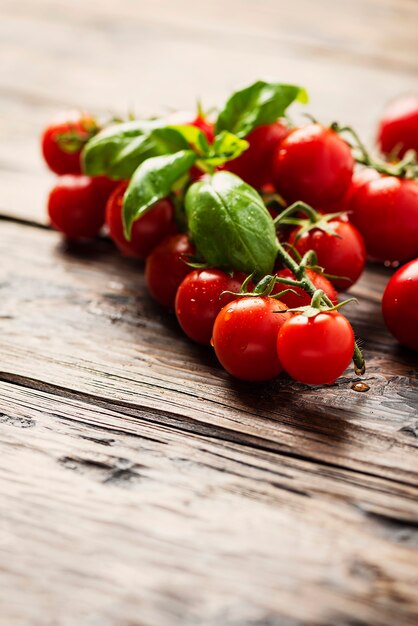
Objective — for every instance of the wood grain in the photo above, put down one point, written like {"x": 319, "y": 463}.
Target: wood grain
{"x": 139, "y": 484}
{"x": 87, "y": 324}
{"x": 143, "y": 524}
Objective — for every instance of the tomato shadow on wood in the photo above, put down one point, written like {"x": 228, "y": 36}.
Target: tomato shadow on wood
{"x": 320, "y": 410}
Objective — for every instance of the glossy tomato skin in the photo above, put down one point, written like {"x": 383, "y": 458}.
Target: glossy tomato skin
{"x": 360, "y": 177}
{"x": 199, "y": 300}
{"x": 292, "y": 301}
{"x": 255, "y": 165}
{"x": 105, "y": 186}
{"x": 166, "y": 268}
{"x": 400, "y": 305}
{"x": 75, "y": 208}
{"x": 313, "y": 164}
{"x": 398, "y": 128}
{"x": 59, "y": 160}
{"x": 245, "y": 336}
{"x": 344, "y": 255}
{"x": 147, "y": 232}
{"x": 385, "y": 210}
{"x": 316, "y": 350}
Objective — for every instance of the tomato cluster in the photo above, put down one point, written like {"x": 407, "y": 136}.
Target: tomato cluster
{"x": 329, "y": 216}
{"x": 76, "y": 204}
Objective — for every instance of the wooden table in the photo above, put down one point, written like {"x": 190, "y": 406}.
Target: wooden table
{"x": 139, "y": 484}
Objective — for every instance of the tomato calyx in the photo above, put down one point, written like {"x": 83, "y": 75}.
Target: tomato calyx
{"x": 317, "y": 305}
{"x": 264, "y": 287}
{"x": 407, "y": 167}
{"x": 75, "y": 138}
{"x": 313, "y": 220}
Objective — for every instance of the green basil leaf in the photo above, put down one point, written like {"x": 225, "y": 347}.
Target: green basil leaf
{"x": 230, "y": 225}
{"x": 194, "y": 137}
{"x": 119, "y": 149}
{"x": 260, "y": 103}
{"x": 225, "y": 147}
{"x": 154, "y": 179}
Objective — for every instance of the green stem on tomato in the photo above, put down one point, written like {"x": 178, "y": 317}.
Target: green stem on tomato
{"x": 293, "y": 208}
{"x": 405, "y": 168}
{"x": 307, "y": 285}
{"x": 359, "y": 364}
{"x": 309, "y": 259}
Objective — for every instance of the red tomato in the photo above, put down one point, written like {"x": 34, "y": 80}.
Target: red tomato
{"x": 344, "y": 255}
{"x": 75, "y": 208}
{"x": 292, "y": 301}
{"x": 105, "y": 186}
{"x": 255, "y": 165}
{"x": 385, "y": 210}
{"x": 360, "y": 177}
{"x": 398, "y": 128}
{"x": 165, "y": 268}
{"x": 400, "y": 305}
{"x": 146, "y": 233}
{"x": 316, "y": 350}
{"x": 313, "y": 164}
{"x": 245, "y": 336}
{"x": 63, "y": 140}
{"x": 199, "y": 300}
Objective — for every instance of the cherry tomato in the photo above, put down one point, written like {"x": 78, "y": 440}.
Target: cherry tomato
{"x": 385, "y": 210}
{"x": 360, "y": 177}
{"x": 146, "y": 233}
{"x": 105, "y": 187}
{"x": 255, "y": 165}
{"x": 400, "y": 305}
{"x": 316, "y": 350}
{"x": 313, "y": 164}
{"x": 199, "y": 300}
{"x": 75, "y": 208}
{"x": 245, "y": 336}
{"x": 166, "y": 267}
{"x": 292, "y": 301}
{"x": 63, "y": 140}
{"x": 344, "y": 255}
{"x": 398, "y": 128}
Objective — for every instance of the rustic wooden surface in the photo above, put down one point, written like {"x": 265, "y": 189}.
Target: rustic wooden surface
{"x": 139, "y": 484}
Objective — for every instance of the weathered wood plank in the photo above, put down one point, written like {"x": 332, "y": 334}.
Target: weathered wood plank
{"x": 112, "y": 521}
{"x": 139, "y": 484}
{"x": 163, "y": 55}
{"x": 87, "y": 324}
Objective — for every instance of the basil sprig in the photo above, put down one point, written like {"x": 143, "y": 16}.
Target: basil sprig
{"x": 157, "y": 177}
{"x": 258, "y": 104}
{"x": 230, "y": 225}
{"x": 118, "y": 150}
{"x": 153, "y": 180}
